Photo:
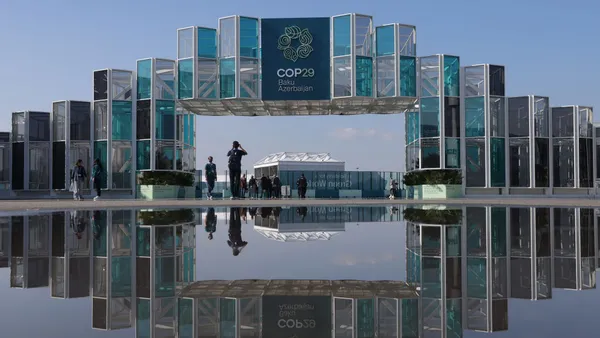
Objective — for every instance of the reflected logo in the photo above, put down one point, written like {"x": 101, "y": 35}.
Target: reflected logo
{"x": 299, "y": 50}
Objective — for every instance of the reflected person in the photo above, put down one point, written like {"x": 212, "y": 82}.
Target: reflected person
{"x": 235, "y": 168}
{"x": 210, "y": 222}
{"x": 77, "y": 223}
{"x": 235, "y": 242}
{"x": 97, "y": 226}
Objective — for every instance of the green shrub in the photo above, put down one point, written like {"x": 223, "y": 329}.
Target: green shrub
{"x": 166, "y": 178}
{"x": 165, "y": 217}
{"x": 431, "y": 216}
{"x": 432, "y": 176}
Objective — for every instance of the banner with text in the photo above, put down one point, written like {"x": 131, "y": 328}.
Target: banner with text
{"x": 296, "y": 316}
{"x": 295, "y": 59}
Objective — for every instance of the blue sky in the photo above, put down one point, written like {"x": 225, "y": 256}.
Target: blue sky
{"x": 50, "y": 49}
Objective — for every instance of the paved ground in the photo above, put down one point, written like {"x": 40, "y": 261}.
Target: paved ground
{"x": 46, "y": 204}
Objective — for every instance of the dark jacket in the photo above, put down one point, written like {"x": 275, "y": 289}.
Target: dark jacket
{"x": 79, "y": 173}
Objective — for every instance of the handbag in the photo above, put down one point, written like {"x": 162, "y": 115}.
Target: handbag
{"x": 72, "y": 186}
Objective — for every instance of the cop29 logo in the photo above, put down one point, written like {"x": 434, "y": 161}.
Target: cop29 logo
{"x": 295, "y": 43}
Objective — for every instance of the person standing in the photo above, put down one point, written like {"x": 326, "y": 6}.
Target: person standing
{"x": 276, "y": 187}
{"x": 264, "y": 187}
{"x": 97, "y": 172}
{"x": 253, "y": 187}
{"x": 244, "y": 185}
{"x": 78, "y": 176}
{"x": 235, "y": 168}
{"x": 210, "y": 174}
{"x": 302, "y": 184}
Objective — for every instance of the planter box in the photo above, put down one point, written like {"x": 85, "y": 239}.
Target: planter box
{"x": 435, "y": 191}
{"x": 154, "y": 192}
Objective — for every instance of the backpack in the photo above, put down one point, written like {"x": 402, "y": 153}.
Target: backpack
{"x": 235, "y": 159}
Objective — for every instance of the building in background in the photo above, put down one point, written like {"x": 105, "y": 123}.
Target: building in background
{"x": 31, "y": 156}
{"x": 5, "y": 158}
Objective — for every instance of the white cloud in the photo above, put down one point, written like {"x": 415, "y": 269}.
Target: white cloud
{"x": 346, "y": 134}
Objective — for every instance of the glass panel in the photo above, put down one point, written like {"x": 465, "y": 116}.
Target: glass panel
{"x": 364, "y": 76}
{"x": 387, "y": 317}
{"x": 121, "y": 120}
{"x": 207, "y": 43}
{"x": 5, "y": 162}
{"x": 227, "y": 312}
{"x": 100, "y": 85}
{"x": 185, "y": 43}
{"x": 227, "y": 37}
{"x": 562, "y": 122}
{"x": 408, "y": 40}
{"x": 452, "y": 116}
{"x": 59, "y": 117}
{"x": 542, "y": 162}
{"x": 227, "y": 78}
{"x": 431, "y": 241}
{"x": 363, "y": 29}
{"x": 564, "y": 162}
{"x": 100, "y": 120}
{"x": 564, "y": 233}
{"x": 541, "y": 111}
{"x": 58, "y": 165}
{"x": 412, "y": 126}
{"x": 18, "y": 165}
{"x": 143, "y": 119}
{"x": 164, "y": 80}
{"x": 454, "y": 321}
{"x": 432, "y": 278}
{"x": 39, "y": 162}
{"x": 165, "y": 120}
{"x": 498, "y": 229}
{"x": 476, "y": 231}
{"x": 542, "y": 232}
{"x": 342, "y": 41}
{"x": 365, "y": 318}
{"x": 430, "y": 153}
{"x": 100, "y": 152}
{"x": 100, "y": 276}
{"x": 144, "y": 79}
{"x": 430, "y": 76}
{"x": 408, "y": 76}
{"x": 249, "y": 78}
{"x": 585, "y": 129}
{"x": 520, "y": 232}
{"x": 497, "y": 84}
{"x": 385, "y": 40}
{"x": 207, "y": 79}
{"x": 79, "y": 120}
{"x": 121, "y": 85}
{"x": 18, "y": 127}
{"x": 143, "y": 155}
{"x": 475, "y": 116}
{"x": 39, "y": 126}
{"x": 586, "y": 162}
{"x": 165, "y": 153}
{"x": 248, "y": 37}
{"x": 430, "y": 117}
{"x": 453, "y": 243}
{"x": 476, "y": 278}
{"x": 497, "y": 116}
{"x": 121, "y": 165}
{"x": 342, "y": 77}
{"x": 185, "y": 81}
{"x": 518, "y": 116}
{"x": 185, "y": 317}
{"x": 519, "y": 162}
{"x": 474, "y": 81}
{"x": 386, "y": 79}
{"x": 452, "y": 152}
{"x": 164, "y": 277}
{"x": 142, "y": 322}
{"x": 475, "y": 162}
{"x": 498, "y": 162}
{"x": 451, "y": 76}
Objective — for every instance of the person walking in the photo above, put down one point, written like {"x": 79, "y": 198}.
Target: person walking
{"x": 97, "y": 172}
{"x": 244, "y": 185}
{"x": 78, "y": 176}
{"x": 210, "y": 174}
{"x": 235, "y": 168}
{"x": 302, "y": 184}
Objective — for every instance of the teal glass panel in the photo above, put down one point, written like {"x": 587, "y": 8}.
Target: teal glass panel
{"x": 454, "y": 325}
{"x": 474, "y": 116}
{"x": 207, "y": 79}
{"x": 452, "y": 152}
{"x": 143, "y": 242}
{"x": 192, "y": 137}
{"x": 142, "y": 322}
{"x": 476, "y": 231}
{"x": 207, "y": 43}
{"x": 164, "y": 276}
{"x": 120, "y": 280}
{"x": 342, "y": 42}
{"x": 498, "y": 232}
{"x": 365, "y": 318}
{"x": 476, "y": 278}
{"x": 408, "y": 76}
{"x": 188, "y": 266}
{"x": 453, "y": 245}
{"x": 143, "y": 155}
{"x": 122, "y": 120}
{"x": 227, "y": 78}
{"x": 101, "y": 152}
{"x": 385, "y": 40}
{"x": 185, "y": 315}
{"x": 410, "y": 318}
{"x": 165, "y": 120}
{"x": 227, "y": 318}
{"x": 364, "y": 76}
{"x": 99, "y": 245}
{"x": 431, "y": 241}
{"x": 413, "y": 127}
{"x": 432, "y": 278}
{"x": 144, "y": 79}
{"x": 497, "y": 162}
{"x": 430, "y": 117}
{"x": 185, "y": 82}
{"x": 186, "y": 128}
{"x": 451, "y": 76}
{"x": 248, "y": 37}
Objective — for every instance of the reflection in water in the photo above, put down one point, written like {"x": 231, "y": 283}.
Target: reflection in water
{"x": 462, "y": 267}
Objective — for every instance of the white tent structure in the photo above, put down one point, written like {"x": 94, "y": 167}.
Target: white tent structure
{"x": 288, "y": 161}
{"x": 274, "y": 234}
